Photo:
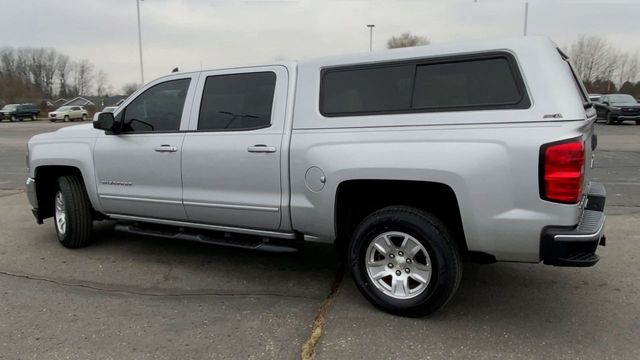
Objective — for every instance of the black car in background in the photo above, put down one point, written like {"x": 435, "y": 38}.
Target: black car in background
{"x": 616, "y": 108}
{"x": 19, "y": 112}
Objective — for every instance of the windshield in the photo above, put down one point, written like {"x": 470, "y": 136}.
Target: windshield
{"x": 63, "y": 108}
{"x": 9, "y": 107}
{"x": 622, "y": 99}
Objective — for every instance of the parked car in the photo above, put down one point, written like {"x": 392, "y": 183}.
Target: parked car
{"x": 19, "y": 112}
{"x": 68, "y": 113}
{"x": 109, "y": 109}
{"x": 405, "y": 160}
{"x": 616, "y": 108}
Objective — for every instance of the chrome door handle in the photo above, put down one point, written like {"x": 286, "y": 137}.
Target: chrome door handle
{"x": 166, "y": 148}
{"x": 261, "y": 149}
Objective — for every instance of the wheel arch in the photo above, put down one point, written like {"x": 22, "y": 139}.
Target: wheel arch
{"x": 356, "y": 199}
{"x": 46, "y": 176}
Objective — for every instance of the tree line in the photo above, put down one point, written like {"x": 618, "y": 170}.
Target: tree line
{"x": 32, "y": 74}
{"x": 604, "y": 68}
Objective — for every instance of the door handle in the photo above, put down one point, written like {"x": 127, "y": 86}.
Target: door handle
{"x": 166, "y": 148}
{"x": 261, "y": 149}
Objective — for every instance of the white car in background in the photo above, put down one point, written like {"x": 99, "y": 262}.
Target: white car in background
{"x": 68, "y": 113}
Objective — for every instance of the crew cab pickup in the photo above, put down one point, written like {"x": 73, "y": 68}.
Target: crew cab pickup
{"x": 405, "y": 160}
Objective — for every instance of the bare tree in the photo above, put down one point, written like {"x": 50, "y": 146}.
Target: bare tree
{"x": 407, "y": 40}
{"x": 83, "y": 76}
{"x": 63, "y": 71}
{"x": 628, "y": 68}
{"x": 130, "y": 88}
{"x": 102, "y": 83}
{"x": 593, "y": 58}
{"x": 49, "y": 69}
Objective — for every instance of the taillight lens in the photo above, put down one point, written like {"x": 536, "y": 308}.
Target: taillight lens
{"x": 562, "y": 171}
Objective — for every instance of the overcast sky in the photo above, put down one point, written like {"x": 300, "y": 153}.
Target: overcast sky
{"x": 215, "y": 33}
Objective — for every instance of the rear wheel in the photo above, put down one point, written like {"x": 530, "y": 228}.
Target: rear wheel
{"x": 405, "y": 261}
{"x": 66, "y": 118}
{"x": 84, "y": 117}
{"x": 72, "y": 213}
{"x": 34, "y": 117}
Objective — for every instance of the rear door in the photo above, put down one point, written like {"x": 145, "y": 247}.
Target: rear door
{"x": 231, "y": 161}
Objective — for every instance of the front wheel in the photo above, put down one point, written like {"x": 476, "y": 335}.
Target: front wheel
{"x": 405, "y": 261}
{"x": 66, "y": 118}
{"x": 610, "y": 120}
{"x": 72, "y": 213}
{"x": 13, "y": 118}
{"x": 34, "y": 118}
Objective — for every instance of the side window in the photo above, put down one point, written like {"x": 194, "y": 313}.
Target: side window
{"x": 379, "y": 89}
{"x": 75, "y": 108}
{"x": 158, "y": 108}
{"x": 237, "y": 101}
{"x": 488, "y": 82}
{"x": 456, "y": 84}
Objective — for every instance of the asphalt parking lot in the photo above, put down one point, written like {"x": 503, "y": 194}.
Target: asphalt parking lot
{"x": 140, "y": 297}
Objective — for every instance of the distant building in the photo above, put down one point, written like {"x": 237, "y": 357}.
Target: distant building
{"x": 96, "y": 101}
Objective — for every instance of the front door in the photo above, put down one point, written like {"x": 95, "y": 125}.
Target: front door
{"x": 138, "y": 169}
{"x": 231, "y": 167}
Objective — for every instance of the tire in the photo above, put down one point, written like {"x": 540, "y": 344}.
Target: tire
{"x": 52, "y": 120}
{"x": 66, "y": 118}
{"x": 415, "y": 228}
{"x": 84, "y": 117}
{"x": 13, "y": 118}
{"x": 637, "y": 122}
{"x": 72, "y": 213}
{"x": 34, "y": 118}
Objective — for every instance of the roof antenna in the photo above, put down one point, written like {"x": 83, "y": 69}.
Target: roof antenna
{"x": 175, "y": 70}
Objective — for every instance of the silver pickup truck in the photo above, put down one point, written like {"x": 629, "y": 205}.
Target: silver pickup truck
{"x": 406, "y": 160}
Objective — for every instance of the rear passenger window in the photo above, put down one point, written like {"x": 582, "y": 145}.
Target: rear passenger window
{"x": 237, "y": 101}
{"x": 489, "y": 82}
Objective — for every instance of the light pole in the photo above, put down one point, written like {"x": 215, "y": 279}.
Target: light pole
{"x": 371, "y": 26}
{"x": 140, "y": 44}
{"x": 526, "y": 16}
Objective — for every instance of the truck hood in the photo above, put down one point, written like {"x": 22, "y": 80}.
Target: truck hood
{"x": 83, "y": 127}
{"x": 70, "y": 132}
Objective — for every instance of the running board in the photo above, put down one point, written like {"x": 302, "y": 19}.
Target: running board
{"x": 224, "y": 239}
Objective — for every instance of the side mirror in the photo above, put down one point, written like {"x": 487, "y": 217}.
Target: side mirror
{"x": 605, "y": 102}
{"x": 105, "y": 121}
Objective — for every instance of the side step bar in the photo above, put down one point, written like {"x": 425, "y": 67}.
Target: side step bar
{"x": 223, "y": 239}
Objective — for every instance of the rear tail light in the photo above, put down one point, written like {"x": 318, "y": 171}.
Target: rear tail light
{"x": 562, "y": 171}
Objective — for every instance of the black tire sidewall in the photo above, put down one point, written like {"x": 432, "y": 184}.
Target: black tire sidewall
{"x": 74, "y": 237}
{"x": 442, "y": 258}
